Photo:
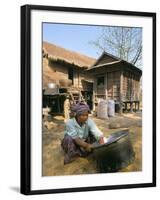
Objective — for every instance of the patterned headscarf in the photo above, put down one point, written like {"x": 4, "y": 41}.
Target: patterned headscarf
{"x": 80, "y": 108}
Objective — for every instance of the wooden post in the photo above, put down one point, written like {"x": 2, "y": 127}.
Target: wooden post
{"x": 138, "y": 105}
{"x": 78, "y": 78}
{"x": 59, "y": 104}
{"x": 125, "y": 106}
{"x": 135, "y": 106}
{"x": 94, "y": 92}
{"x": 121, "y": 92}
{"x": 131, "y": 106}
{"x": 106, "y": 91}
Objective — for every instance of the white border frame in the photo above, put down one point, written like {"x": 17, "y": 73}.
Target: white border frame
{"x": 39, "y": 182}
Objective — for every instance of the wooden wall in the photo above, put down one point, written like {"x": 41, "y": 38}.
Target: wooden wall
{"x": 121, "y": 83}
{"x": 131, "y": 86}
{"x": 113, "y": 85}
{"x": 53, "y": 72}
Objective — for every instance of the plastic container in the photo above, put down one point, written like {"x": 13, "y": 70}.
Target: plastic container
{"x": 102, "y": 110}
{"x": 111, "y": 108}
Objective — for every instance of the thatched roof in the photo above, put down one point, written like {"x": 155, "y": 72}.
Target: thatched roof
{"x": 72, "y": 57}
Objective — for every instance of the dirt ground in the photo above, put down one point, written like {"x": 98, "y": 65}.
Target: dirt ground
{"x": 53, "y": 133}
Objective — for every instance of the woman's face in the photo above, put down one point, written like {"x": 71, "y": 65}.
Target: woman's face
{"x": 82, "y": 118}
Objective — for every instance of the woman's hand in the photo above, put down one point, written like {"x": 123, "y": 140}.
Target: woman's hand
{"x": 101, "y": 140}
{"x": 89, "y": 147}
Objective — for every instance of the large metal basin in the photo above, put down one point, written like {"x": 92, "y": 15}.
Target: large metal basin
{"x": 116, "y": 154}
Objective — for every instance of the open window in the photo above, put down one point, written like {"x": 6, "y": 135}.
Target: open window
{"x": 71, "y": 74}
{"x": 100, "y": 81}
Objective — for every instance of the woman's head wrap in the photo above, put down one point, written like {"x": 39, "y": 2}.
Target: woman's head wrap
{"x": 80, "y": 108}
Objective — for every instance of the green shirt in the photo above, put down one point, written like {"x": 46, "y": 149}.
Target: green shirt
{"x": 74, "y": 130}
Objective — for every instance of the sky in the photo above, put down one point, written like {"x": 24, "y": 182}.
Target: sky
{"x": 73, "y": 37}
{"x": 79, "y": 38}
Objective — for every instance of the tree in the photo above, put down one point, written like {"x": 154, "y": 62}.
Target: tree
{"x": 123, "y": 42}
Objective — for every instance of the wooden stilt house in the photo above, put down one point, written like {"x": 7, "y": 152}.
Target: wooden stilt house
{"x": 116, "y": 79}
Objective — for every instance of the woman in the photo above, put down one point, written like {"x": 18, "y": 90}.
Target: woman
{"x": 80, "y": 133}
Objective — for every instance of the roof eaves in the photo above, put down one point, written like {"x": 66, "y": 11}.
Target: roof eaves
{"x": 136, "y": 68}
{"x": 105, "y": 64}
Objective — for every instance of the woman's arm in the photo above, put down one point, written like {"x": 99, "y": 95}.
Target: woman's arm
{"x": 95, "y": 131}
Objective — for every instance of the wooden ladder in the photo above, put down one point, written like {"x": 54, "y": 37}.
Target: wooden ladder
{"x": 76, "y": 95}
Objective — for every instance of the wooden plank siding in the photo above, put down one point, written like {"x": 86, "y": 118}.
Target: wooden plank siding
{"x": 131, "y": 85}
{"x": 83, "y": 80}
{"x": 113, "y": 85}
{"x": 121, "y": 83}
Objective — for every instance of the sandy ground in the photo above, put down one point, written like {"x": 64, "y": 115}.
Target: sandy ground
{"x": 53, "y": 156}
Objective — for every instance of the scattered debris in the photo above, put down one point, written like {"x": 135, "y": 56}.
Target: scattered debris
{"x": 50, "y": 125}
{"x": 114, "y": 125}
